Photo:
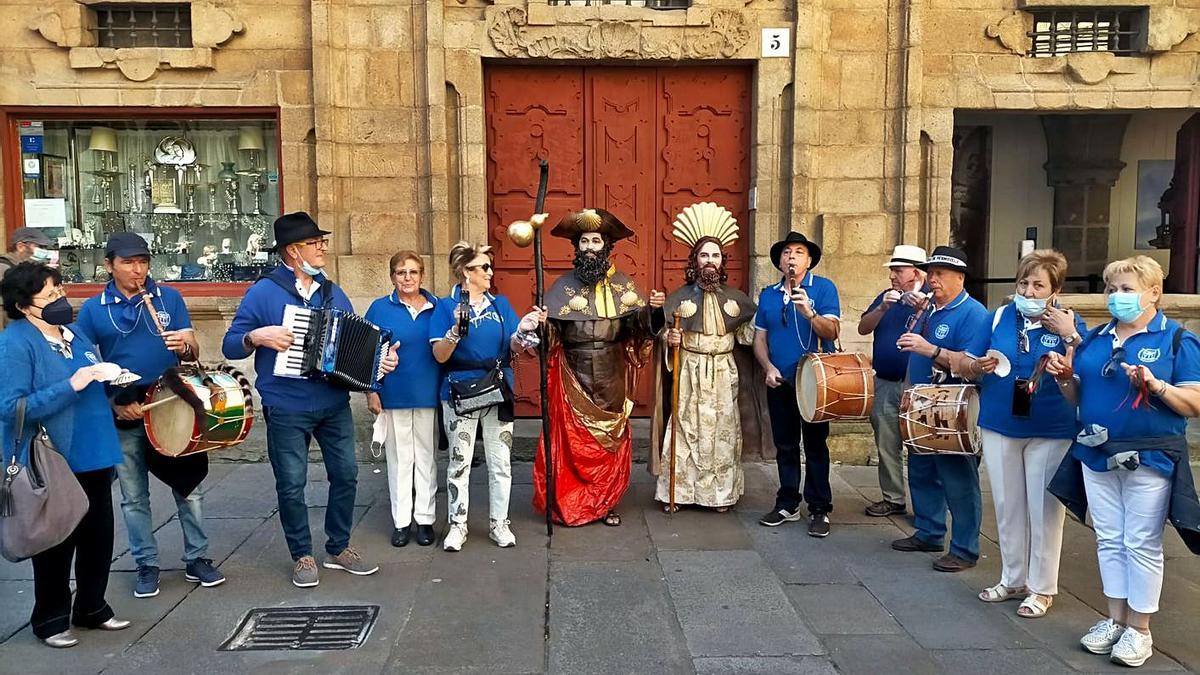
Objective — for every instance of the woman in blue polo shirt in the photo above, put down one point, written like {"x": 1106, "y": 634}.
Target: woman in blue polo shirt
{"x": 472, "y": 331}
{"x": 54, "y": 370}
{"x": 1137, "y": 380}
{"x": 1027, "y": 427}
{"x": 407, "y": 399}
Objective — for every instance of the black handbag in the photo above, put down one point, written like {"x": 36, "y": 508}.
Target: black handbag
{"x": 468, "y": 396}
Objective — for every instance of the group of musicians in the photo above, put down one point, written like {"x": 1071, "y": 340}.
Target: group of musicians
{"x": 1133, "y": 380}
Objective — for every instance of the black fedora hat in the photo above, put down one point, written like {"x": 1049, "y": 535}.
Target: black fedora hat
{"x": 814, "y": 251}
{"x": 948, "y": 257}
{"x": 293, "y": 227}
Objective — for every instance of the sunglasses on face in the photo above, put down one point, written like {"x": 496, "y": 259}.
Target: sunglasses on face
{"x": 1114, "y": 361}
{"x": 486, "y": 267}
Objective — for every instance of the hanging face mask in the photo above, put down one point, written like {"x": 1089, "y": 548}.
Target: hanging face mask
{"x": 1125, "y": 306}
{"x": 58, "y": 313}
{"x": 309, "y": 269}
{"x": 1029, "y": 308}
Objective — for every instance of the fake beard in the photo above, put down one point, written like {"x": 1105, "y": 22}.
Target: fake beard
{"x": 590, "y": 266}
{"x": 709, "y": 278}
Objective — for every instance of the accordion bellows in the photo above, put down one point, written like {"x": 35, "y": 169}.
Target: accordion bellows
{"x": 339, "y": 347}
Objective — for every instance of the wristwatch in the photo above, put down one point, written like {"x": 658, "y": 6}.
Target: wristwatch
{"x": 1071, "y": 339}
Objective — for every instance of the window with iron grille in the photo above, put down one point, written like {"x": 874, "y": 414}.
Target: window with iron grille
{"x": 124, "y": 25}
{"x": 652, "y": 4}
{"x": 1120, "y": 30}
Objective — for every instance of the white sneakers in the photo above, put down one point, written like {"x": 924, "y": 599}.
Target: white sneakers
{"x": 1127, "y": 646}
{"x": 1101, "y": 638}
{"x": 501, "y": 534}
{"x": 456, "y": 537}
{"x": 1133, "y": 648}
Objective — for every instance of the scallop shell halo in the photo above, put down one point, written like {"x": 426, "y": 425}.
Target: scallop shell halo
{"x": 705, "y": 219}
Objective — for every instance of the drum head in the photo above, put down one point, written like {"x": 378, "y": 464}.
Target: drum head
{"x": 806, "y": 388}
{"x": 171, "y": 424}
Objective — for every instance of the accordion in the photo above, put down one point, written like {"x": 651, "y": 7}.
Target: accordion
{"x": 339, "y": 347}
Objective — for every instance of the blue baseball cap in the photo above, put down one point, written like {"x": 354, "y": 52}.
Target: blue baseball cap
{"x": 126, "y": 245}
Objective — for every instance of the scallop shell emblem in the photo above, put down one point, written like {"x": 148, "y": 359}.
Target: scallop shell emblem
{"x": 578, "y": 303}
{"x": 629, "y": 298}
{"x": 687, "y": 309}
{"x": 732, "y": 308}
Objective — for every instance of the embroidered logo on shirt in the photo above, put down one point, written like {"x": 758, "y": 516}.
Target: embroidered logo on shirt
{"x": 1148, "y": 355}
{"x": 1050, "y": 341}
{"x": 164, "y": 318}
{"x": 942, "y": 331}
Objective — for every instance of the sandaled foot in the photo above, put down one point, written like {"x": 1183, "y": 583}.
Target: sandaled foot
{"x": 613, "y": 519}
{"x": 720, "y": 509}
{"x": 1035, "y": 606}
{"x": 1001, "y": 593}
{"x": 667, "y": 508}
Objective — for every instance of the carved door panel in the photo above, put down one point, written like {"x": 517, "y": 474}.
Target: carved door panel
{"x": 1185, "y": 209}
{"x": 641, "y": 142}
{"x": 970, "y": 201}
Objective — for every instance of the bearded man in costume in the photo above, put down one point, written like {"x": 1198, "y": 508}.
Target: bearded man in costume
{"x": 713, "y": 317}
{"x": 600, "y": 325}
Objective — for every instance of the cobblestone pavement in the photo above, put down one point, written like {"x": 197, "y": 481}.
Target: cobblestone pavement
{"x": 695, "y": 592}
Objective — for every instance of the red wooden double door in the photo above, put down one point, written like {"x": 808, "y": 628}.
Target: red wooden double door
{"x": 643, "y": 143}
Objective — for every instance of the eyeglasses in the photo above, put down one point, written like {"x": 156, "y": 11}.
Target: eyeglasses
{"x": 55, "y": 293}
{"x": 486, "y": 267}
{"x": 319, "y": 243}
{"x": 1110, "y": 366}
{"x": 406, "y": 273}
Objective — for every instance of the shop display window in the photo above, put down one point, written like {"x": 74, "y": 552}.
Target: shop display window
{"x": 203, "y": 193}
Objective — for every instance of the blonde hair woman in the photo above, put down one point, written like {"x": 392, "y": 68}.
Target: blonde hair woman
{"x": 1137, "y": 380}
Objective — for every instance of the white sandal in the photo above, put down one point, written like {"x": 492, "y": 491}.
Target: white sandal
{"x": 1035, "y": 606}
{"x": 1000, "y": 593}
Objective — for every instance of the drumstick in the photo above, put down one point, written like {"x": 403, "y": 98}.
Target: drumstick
{"x": 151, "y": 406}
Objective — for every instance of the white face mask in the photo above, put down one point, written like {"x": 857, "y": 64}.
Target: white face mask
{"x": 41, "y": 255}
{"x": 309, "y": 269}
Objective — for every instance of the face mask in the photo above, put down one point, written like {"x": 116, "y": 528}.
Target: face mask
{"x": 1125, "y": 306}
{"x": 58, "y": 313}
{"x": 1030, "y": 308}
{"x": 41, "y": 255}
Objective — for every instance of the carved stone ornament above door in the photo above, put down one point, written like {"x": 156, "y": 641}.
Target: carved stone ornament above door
{"x": 71, "y": 24}
{"x": 724, "y": 35}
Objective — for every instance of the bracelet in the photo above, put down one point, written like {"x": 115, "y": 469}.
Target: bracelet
{"x": 451, "y": 337}
{"x": 1162, "y": 390}
{"x": 936, "y": 352}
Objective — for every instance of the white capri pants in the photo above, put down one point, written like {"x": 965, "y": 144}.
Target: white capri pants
{"x": 1129, "y": 512}
{"x": 409, "y": 445}
{"x": 1028, "y": 518}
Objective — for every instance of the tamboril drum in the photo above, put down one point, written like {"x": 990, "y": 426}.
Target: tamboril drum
{"x": 940, "y": 419}
{"x": 835, "y": 387}
{"x": 172, "y": 425}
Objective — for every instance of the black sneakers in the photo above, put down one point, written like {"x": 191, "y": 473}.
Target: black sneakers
{"x": 780, "y": 516}
{"x": 818, "y": 526}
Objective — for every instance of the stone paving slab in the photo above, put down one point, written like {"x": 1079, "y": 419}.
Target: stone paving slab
{"x": 224, "y": 536}
{"x": 16, "y": 602}
{"x": 729, "y": 604}
{"x": 613, "y": 617}
{"x": 874, "y": 654}
{"x": 695, "y": 528}
{"x": 842, "y": 609}
{"x": 995, "y": 661}
{"x": 765, "y": 665}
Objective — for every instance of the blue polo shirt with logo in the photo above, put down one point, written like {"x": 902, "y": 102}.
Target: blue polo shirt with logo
{"x": 963, "y": 325}
{"x": 789, "y": 335}
{"x": 1050, "y": 415}
{"x": 1107, "y": 401}
{"x": 414, "y": 382}
{"x": 125, "y": 332}
{"x": 889, "y": 362}
{"x": 492, "y": 327}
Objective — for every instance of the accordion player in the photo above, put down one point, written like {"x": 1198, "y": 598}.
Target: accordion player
{"x": 339, "y": 347}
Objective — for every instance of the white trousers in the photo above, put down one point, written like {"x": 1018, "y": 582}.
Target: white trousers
{"x": 409, "y": 446}
{"x": 497, "y": 447}
{"x": 1028, "y": 518}
{"x": 1129, "y": 512}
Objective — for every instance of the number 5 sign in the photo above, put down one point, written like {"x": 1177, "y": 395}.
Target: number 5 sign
{"x": 776, "y": 42}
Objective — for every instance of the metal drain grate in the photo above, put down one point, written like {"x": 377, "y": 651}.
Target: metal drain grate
{"x": 295, "y": 628}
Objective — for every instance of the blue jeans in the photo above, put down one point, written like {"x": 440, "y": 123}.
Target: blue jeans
{"x": 135, "y": 504}
{"x": 289, "y": 433}
{"x": 938, "y": 481}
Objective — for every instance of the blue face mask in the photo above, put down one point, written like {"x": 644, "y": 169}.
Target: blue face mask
{"x": 309, "y": 269}
{"x": 1029, "y": 308}
{"x": 1125, "y": 306}
{"x": 41, "y": 255}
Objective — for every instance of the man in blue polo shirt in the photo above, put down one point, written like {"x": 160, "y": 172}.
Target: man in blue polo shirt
{"x": 953, "y": 323}
{"x": 120, "y": 321}
{"x": 796, "y": 316}
{"x": 888, "y": 318}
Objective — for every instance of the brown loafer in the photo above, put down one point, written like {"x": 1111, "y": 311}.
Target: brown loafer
{"x": 952, "y": 563}
{"x": 882, "y": 509}
{"x": 915, "y": 543}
